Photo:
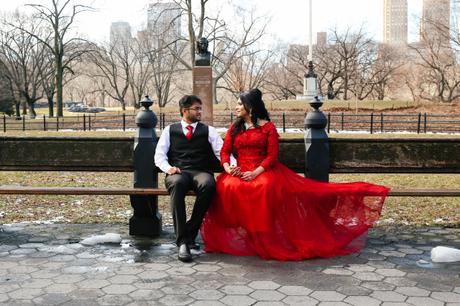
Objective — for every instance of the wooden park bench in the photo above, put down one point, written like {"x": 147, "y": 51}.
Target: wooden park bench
{"x": 428, "y": 155}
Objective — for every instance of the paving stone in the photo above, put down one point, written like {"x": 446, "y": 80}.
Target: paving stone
{"x": 353, "y": 290}
{"x": 236, "y": 289}
{"x": 446, "y": 296}
{"x": 180, "y": 271}
{"x": 394, "y": 304}
{"x": 368, "y": 276}
{"x": 294, "y": 290}
{"x": 4, "y": 297}
{"x": 388, "y": 296}
{"x": 45, "y": 274}
{"x": 267, "y": 295}
{"x": 207, "y": 303}
{"x": 93, "y": 284}
{"x": 25, "y": 294}
{"x": 177, "y": 289}
{"x": 152, "y": 275}
{"x": 338, "y": 271}
{"x": 412, "y": 291}
{"x": 361, "y": 268}
{"x": 390, "y": 272}
{"x": 60, "y": 288}
{"x": 123, "y": 279}
{"x": 119, "y": 289}
{"x": 52, "y": 299}
{"x": 68, "y": 279}
{"x": 392, "y": 254}
{"x": 333, "y": 304}
{"x": 400, "y": 281}
{"x": 424, "y": 301}
{"x": 86, "y": 294}
{"x": 362, "y": 301}
{"x": 331, "y": 296}
{"x": 300, "y": 300}
{"x": 206, "y": 294}
{"x": 119, "y": 299}
{"x": 5, "y": 288}
{"x": 143, "y": 294}
{"x": 264, "y": 285}
{"x": 36, "y": 283}
{"x": 211, "y": 284}
{"x": 206, "y": 268}
{"x": 237, "y": 300}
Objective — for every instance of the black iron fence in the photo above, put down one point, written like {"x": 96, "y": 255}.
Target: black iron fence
{"x": 371, "y": 123}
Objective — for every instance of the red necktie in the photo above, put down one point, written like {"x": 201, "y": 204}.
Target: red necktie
{"x": 190, "y": 132}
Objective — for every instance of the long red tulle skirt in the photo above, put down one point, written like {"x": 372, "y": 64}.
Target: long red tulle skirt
{"x": 282, "y": 215}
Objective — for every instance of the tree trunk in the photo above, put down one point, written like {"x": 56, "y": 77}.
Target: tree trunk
{"x": 24, "y": 108}
{"x": 31, "y": 106}
{"x": 59, "y": 89}
{"x": 17, "y": 108}
{"x": 50, "y": 107}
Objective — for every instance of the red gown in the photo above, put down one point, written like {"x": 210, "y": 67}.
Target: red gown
{"x": 280, "y": 214}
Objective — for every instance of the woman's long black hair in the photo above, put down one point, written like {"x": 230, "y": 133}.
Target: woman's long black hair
{"x": 255, "y": 106}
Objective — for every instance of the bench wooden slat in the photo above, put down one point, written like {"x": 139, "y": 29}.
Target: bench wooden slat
{"x": 396, "y": 192}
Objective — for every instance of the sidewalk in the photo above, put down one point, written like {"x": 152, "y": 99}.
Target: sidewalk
{"x": 46, "y": 265}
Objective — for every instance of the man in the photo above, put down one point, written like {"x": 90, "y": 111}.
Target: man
{"x": 188, "y": 153}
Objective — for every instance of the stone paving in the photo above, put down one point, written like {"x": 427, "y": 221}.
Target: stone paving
{"x": 45, "y": 264}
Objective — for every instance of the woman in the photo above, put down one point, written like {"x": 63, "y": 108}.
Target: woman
{"x": 263, "y": 208}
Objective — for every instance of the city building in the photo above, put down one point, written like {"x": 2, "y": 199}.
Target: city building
{"x": 395, "y": 22}
{"x": 435, "y": 22}
{"x": 321, "y": 38}
{"x": 120, "y": 32}
{"x": 164, "y": 21}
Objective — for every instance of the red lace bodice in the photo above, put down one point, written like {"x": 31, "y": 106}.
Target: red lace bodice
{"x": 253, "y": 147}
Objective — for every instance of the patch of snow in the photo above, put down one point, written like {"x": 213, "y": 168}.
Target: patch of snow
{"x": 100, "y": 239}
{"x": 445, "y": 254}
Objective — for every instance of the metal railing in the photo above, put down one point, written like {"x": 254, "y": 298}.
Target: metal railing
{"x": 371, "y": 123}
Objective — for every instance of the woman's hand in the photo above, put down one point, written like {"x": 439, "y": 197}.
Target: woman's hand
{"x": 251, "y": 175}
{"x": 232, "y": 170}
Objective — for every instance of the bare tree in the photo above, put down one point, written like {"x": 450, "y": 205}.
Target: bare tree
{"x": 60, "y": 16}
{"x": 6, "y": 94}
{"x": 114, "y": 62}
{"x": 248, "y": 71}
{"x": 25, "y": 57}
{"x": 441, "y": 81}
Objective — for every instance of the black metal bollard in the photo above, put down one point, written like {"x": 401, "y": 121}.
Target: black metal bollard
{"x": 146, "y": 219}
{"x": 316, "y": 143}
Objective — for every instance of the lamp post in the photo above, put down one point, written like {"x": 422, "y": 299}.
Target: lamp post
{"x": 310, "y": 78}
{"x": 316, "y": 139}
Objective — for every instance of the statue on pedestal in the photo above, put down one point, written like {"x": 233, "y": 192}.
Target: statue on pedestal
{"x": 203, "y": 56}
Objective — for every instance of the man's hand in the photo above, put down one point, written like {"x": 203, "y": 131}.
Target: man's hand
{"x": 174, "y": 170}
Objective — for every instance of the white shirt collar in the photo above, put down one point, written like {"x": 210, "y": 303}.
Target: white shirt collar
{"x": 184, "y": 124}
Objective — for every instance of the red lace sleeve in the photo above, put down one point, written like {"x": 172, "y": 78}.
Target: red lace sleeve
{"x": 227, "y": 147}
{"x": 272, "y": 146}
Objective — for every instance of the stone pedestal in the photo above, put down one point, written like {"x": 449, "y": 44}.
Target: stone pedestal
{"x": 202, "y": 87}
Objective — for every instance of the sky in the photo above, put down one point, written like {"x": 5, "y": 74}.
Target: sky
{"x": 289, "y": 18}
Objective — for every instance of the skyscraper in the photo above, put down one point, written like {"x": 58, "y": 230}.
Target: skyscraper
{"x": 120, "y": 32}
{"x": 164, "y": 21}
{"x": 435, "y": 23}
{"x": 395, "y": 22}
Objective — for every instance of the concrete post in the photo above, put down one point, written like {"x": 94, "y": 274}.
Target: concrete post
{"x": 146, "y": 219}
{"x": 316, "y": 143}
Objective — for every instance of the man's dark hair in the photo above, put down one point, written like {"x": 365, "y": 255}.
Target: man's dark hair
{"x": 187, "y": 101}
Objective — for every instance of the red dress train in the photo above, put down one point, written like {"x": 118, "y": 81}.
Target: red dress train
{"x": 280, "y": 214}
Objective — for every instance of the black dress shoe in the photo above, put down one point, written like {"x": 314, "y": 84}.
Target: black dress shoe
{"x": 184, "y": 253}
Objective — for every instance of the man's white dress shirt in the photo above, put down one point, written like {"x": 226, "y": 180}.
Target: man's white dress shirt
{"x": 161, "y": 152}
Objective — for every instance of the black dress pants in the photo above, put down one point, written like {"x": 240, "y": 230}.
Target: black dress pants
{"x": 204, "y": 185}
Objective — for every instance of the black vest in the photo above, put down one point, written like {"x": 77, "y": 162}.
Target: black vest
{"x": 193, "y": 154}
